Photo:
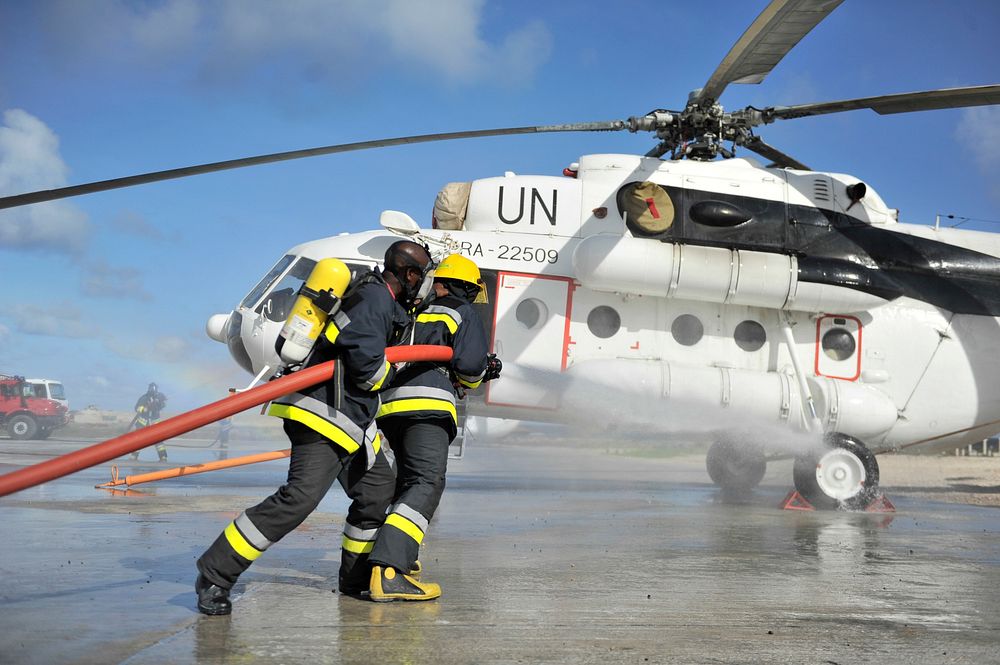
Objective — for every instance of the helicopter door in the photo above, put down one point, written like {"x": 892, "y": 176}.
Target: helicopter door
{"x": 529, "y": 335}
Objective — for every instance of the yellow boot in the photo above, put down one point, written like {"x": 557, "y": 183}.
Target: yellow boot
{"x": 388, "y": 584}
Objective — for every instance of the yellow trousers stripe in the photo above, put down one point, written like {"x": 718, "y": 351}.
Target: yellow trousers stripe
{"x": 357, "y": 546}
{"x": 240, "y": 544}
{"x": 406, "y": 526}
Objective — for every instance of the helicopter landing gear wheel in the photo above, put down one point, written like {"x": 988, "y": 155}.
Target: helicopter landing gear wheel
{"x": 844, "y": 473}
{"x": 736, "y": 466}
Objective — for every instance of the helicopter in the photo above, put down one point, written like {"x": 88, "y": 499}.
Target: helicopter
{"x": 764, "y": 289}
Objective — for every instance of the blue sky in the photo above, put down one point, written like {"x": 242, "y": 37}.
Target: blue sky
{"x": 110, "y": 291}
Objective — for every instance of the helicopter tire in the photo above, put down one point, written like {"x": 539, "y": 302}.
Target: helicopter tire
{"x": 844, "y": 474}
{"x": 22, "y": 427}
{"x": 735, "y": 465}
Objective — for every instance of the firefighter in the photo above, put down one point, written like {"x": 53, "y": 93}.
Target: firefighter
{"x": 333, "y": 434}
{"x": 419, "y": 419}
{"x": 147, "y": 412}
{"x": 225, "y": 429}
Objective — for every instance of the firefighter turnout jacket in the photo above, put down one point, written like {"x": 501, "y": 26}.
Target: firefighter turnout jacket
{"x": 329, "y": 425}
{"x": 343, "y": 409}
{"x": 427, "y": 390}
{"x": 148, "y": 408}
{"x": 419, "y": 417}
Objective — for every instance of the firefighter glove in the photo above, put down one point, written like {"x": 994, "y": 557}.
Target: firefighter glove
{"x": 493, "y": 367}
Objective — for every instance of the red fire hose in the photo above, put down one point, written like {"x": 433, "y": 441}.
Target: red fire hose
{"x": 185, "y": 422}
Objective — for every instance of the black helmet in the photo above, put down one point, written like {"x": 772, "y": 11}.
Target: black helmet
{"x": 152, "y": 388}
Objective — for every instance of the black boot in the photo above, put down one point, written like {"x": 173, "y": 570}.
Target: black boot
{"x": 212, "y": 598}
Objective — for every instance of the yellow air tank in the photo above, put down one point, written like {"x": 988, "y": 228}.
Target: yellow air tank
{"x": 326, "y": 283}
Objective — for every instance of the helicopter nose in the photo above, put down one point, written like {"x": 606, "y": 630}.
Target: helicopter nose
{"x": 216, "y": 327}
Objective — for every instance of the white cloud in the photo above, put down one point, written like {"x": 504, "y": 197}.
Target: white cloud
{"x": 110, "y": 28}
{"x": 979, "y": 131}
{"x": 55, "y": 320}
{"x": 29, "y": 161}
{"x": 133, "y": 223}
{"x": 166, "y": 27}
{"x": 317, "y": 40}
{"x": 169, "y": 349}
{"x": 442, "y": 36}
{"x": 102, "y": 280}
{"x": 523, "y": 51}
{"x": 99, "y": 381}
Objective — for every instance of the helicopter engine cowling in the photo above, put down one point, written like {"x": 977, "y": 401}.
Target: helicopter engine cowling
{"x": 618, "y": 264}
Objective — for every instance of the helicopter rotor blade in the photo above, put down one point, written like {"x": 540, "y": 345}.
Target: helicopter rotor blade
{"x": 777, "y": 157}
{"x": 781, "y": 26}
{"x": 156, "y": 176}
{"x": 906, "y": 102}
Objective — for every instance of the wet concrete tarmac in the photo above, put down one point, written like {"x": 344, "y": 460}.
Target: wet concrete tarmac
{"x": 545, "y": 554}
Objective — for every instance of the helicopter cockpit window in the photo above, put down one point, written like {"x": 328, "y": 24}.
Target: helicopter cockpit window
{"x": 531, "y": 313}
{"x": 839, "y": 344}
{"x": 268, "y": 279}
{"x": 687, "y": 330}
{"x": 647, "y": 209}
{"x": 604, "y": 321}
{"x": 749, "y": 336}
{"x": 279, "y": 301}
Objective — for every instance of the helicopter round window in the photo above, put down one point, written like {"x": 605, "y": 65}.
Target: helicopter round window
{"x": 749, "y": 336}
{"x": 839, "y": 344}
{"x": 531, "y": 313}
{"x": 687, "y": 330}
{"x": 604, "y": 321}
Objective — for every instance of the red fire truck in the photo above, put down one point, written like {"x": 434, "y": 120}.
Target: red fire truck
{"x": 25, "y": 414}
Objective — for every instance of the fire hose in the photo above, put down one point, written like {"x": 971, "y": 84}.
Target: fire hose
{"x": 185, "y": 422}
{"x": 190, "y": 470}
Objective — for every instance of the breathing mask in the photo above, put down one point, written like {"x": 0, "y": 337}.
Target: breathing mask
{"x": 419, "y": 291}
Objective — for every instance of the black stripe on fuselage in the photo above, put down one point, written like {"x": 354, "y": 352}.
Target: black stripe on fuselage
{"x": 837, "y": 249}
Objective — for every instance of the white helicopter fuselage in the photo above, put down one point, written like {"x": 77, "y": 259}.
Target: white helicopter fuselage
{"x": 765, "y": 331}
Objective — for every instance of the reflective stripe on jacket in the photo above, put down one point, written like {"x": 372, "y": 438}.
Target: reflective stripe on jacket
{"x": 424, "y": 390}
{"x": 343, "y": 409}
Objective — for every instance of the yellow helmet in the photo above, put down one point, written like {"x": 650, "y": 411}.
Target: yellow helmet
{"x": 463, "y": 269}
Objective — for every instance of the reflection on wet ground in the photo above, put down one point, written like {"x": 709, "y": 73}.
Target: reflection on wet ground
{"x": 544, "y": 555}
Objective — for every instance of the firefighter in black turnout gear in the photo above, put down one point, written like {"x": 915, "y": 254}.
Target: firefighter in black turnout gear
{"x": 147, "y": 412}
{"x": 333, "y": 434}
{"x": 418, "y": 417}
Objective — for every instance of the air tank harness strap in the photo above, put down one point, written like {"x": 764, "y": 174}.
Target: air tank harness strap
{"x": 325, "y": 300}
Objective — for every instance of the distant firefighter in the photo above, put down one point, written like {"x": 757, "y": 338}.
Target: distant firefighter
{"x": 147, "y": 412}
{"x": 225, "y": 429}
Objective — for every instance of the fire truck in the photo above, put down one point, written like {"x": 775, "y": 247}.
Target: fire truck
{"x": 26, "y": 412}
